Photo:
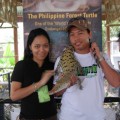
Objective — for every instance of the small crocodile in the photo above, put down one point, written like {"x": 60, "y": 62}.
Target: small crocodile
{"x": 69, "y": 66}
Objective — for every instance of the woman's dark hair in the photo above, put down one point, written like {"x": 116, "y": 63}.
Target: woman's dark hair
{"x": 34, "y": 33}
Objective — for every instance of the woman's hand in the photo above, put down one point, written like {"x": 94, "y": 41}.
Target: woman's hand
{"x": 46, "y": 76}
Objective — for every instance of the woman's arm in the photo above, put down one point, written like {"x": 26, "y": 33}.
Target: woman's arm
{"x": 17, "y": 92}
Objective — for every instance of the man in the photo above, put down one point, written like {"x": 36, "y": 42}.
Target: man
{"x": 86, "y": 104}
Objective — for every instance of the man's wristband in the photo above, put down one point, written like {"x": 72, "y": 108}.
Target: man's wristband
{"x": 101, "y": 58}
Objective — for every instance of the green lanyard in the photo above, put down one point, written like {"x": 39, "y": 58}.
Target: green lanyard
{"x": 43, "y": 94}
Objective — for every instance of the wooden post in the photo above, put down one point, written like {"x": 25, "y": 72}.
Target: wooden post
{"x": 108, "y": 39}
{"x": 15, "y": 44}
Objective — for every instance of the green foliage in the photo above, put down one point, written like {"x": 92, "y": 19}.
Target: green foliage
{"x": 8, "y": 59}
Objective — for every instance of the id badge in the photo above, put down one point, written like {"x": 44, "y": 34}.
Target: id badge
{"x": 43, "y": 94}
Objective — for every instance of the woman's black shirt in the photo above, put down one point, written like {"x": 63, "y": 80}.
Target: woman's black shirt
{"x": 27, "y": 72}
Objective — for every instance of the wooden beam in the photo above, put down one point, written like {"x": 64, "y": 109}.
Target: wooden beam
{"x": 114, "y": 25}
{"x": 112, "y": 11}
{"x": 8, "y": 12}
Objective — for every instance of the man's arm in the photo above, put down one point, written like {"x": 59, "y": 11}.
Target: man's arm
{"x": 112, "y": 76}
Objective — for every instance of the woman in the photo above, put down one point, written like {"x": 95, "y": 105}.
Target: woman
{"x": 32, "y": 79}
